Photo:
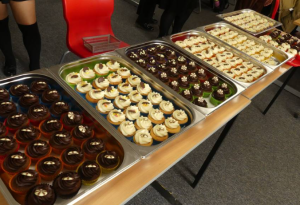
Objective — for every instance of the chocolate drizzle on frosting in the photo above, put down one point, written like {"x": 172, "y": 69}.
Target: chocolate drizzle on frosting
{"x": 38, "y": 148}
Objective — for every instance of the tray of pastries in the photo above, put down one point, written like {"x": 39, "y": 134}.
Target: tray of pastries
{"x": 221, "y": 57}
{"x": 250, "y": 21}
{"x": 248, "y": 44}
{"x": 196, "y": 83}
{"x": 129, "y": 102}
{"x": 52, "y": 151}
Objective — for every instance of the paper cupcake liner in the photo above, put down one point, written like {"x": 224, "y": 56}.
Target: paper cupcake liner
{"x": 88, "y": 183}
{"x": 67, "y": 196}
{"x": 48, "y": 177}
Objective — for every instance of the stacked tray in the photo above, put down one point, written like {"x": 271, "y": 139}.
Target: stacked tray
{"x": 223, "y": 58}
{"x": 250, "y": 21}
{"x": 251, "y": 46}
{"x": 182, "y": 75}
{"x": 34, "y": 141}
{"x": 132, "y": 103}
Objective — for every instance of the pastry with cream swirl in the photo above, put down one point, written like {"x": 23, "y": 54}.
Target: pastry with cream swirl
{"x": 156, "y": 116}
{"x": 104, "y": 106}
{"x": 94, "y": 95}
{"x": 155, "y": 98}
{"x": 172, "y": 125}
{"x": 135, "y": 96}
{"x": 132, "y": 112}
{"x": 166, "y": 107}
{"x": 159, "y": 133}
{"x": 142, "y": 137}
{"x": 133, "y": 80}
{"x": 122, "y": 102}
{"x": 127, "y": 128}
{"x": 143, "y": 123}
{"x": 116, "y": 117}
{"x": 180, "y": 116}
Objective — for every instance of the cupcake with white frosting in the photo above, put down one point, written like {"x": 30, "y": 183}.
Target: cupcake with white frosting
{"x": 73, "y": 78}
{"x": 127, "y": 128}
{"x": 145, "y": 106}
{"x": 143, "y": 88}
{"x": 133, "y": 80}
{"x": 87, "y": 74}
{"x": 142, "y": 137}
{"x": 124, "y": 88}
{"x": 94, "y": 95}
{"x": 159, "y": 133}
{"x": 155, "y": 98}
{"x": 135, "y": 96}
{"x": 101, "y": 69}
{"x": 104, "y": 106}
{"x": 143, "y": 123}
{"x": 122, "y": 102}
{"x": 115, "y": 117}
{"x": 114, "y": 79}
{"x": 132, "y": 112}
{"x": 101, "y": 83}
{"x": 83, "y": 87}
{"x": 172, "y": 125}
{"x": 156, "y": 116}
{"x": 111, "y": 92}
{"x": 124, "y": 72}
{"x": 113, "y": 65}
{"x": 180, "y": 116}
{"x": 166, "y": 107}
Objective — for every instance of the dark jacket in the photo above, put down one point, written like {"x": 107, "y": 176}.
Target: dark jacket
{"x": 178, "y": 5}
{"x": 256, "y": 5}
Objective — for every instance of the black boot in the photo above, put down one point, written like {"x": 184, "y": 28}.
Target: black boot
{"x": 144, "y": 26}
{"x": 10, "y": 70}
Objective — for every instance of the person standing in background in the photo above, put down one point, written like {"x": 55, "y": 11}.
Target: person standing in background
{"x": 256, "y": 5}
{"x": 146, "y": 11}
{"x": 177, "y": 12}
{"x": 25, "y": 16}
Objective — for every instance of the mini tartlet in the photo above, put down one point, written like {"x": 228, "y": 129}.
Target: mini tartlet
{"x": 124, "y": 72}
{"x": 108, "y": 160}
{"x": 94, "y": 95}
{"x": 89, "y": 172}
{"x": 92, "y": 147}
{"x": 133, "y": 80}
{"x": 143, "y": 123}
{"x": 145, "y": 106}
{"x": 116, "y": 117}
{"x": 125, "y": 88}
{"x": 104, "y": 106}
{"x": 142, "y": 137}
{"x": 72, "y": 157}
{"x": 60, "y": 140}
{"x": 156, "y": 116}
{"x": 180, "y": 116}
{"x": 73, "y": 79}
{"x": 159, "y": 133}
{"x": 127, "y": 128}
{"x": 113, "y": 65}
{"x": 172, "y": 125}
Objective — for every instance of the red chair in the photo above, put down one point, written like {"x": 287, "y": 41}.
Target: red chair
{"x": 87, "y": 18}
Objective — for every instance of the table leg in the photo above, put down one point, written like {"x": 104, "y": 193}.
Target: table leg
{"x": 213, "y": 151}
{"x": 280, "y": 90}
{"x": 165, "y": 193}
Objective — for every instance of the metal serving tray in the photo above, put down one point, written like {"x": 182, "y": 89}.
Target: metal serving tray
{"x": 128, "y": 156}
{"x": 223, "y": 16}
{"x": 278, "y": 55}
{"x": 237, "y": 88}
{"x": 194, "y": 115}
{"x": 219, "y": 43}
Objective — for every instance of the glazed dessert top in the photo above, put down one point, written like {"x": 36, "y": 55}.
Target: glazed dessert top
{"x": 39, "y": 86}
{"x": 7, "y": 107}
{"x": 27, "y": 133}
{"x": 37, "y": 148}
{"x": 7, "y": 144}
{"x": 38, "y": 112}
{"x": 59, "y": 108}
{"x": 15, "y": 162}
{"x": 87, "y": 73}
{"x": 127, "y": 128}
{"x": 51, "y": 125}
{"x": 19, "y": 90}
{"x": 89, "y": 170}
{"x": 16, "y": 120}
{"x": 66, "y": 182}
{"x": 50, "y": 96}
{"x": 72, "y": 118}
{"x": 49, "y": 165}
{"x": 72, "y": 155}
{"x": 108, "y": 159}
{"x": 41, "y": 194}
{"x": 73, "y": 78}
{"x": 25, "y": 179}
{"x": 142, "y": 137}
{"x": 93, "y": 146}
{"x": 60, "y": 139}
{"x": 4, "y": 95}
{"x": 83, "y": 132}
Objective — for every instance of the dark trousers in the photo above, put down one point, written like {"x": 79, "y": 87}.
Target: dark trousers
{"x": 146, "y": 10}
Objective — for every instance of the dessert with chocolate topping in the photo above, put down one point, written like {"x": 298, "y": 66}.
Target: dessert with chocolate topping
{"x": 89, "y": 171}
{"x": 200, "y": 102}
{"x": 72, "y": 157}
{"x": 152, "y": 61}
{"x": 92, "y": 147}
{"x": 38, "y": 113}
{"x": 8, "y": 145}
{"x": 183, "y": 70}
{"x": 172, "y": 63}
{"x": 196, "y": 91}
{"x": 217, "y": 97}
{"x": 201, "y": 75}
{"x": 4, "y": 95}
{"x": 60, "y": 140}
{"x": 181, "y": 60}
{"x": 37, "y": 149}
{"x": 27, "y": 100}
{"x": 174, "y": 85}
{"x": 16, "y": 120}
{"x": 58, "y": 108}
{"x": 26, "y": 134}
{"x": 7, "y": 108}
{"x": 39, "y": 86}
{"x": 225, "y": 88}
{"x": 183, "y": 82}
{"x": 153, "y": 70}
{"x": 160, "y": 58}
{"x": 80, "y": 133}
{"x": 15, "y": 162}
{"x": 193, "y": 79}
{"x": 141, "y": 62}
{"x": 67, "y": 184}
{"x": 161, "y": 48}
{"x": 49, "y": 126}
{"x": 192, "y": 66}
{"x": 164, "y": 78}
{"x": 142, "y": 53}
{"x": 41, "y": 194}
{"x": 275, "y": 34}
{"x": 18, "y": 90}
{"x": 49, "y": 167}
{"x": 108, "y": 160}
{"x": 187, "y": 95}
{"x": 207, "y": 88}
{"x": 163, "y": 67}
{"x": 170, "y": 54}
{"x": 71, "y": 119}
{"x": 173, "y": 73}
{"x": 214, "y": 81}
{"x": 133, "y": 56}
{"x": 152, "y": 50}
{"x": 50, "y": 96}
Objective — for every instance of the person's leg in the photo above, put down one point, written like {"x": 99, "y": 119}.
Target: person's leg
{"x": 145, "y": 11}
{"x": 166, "y": 21}
{"x": 24, "y": 13}
{"x": 180, "y": 20}
{"x": 5, "y": 41}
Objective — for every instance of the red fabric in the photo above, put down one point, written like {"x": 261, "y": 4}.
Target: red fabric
{"x": 85, "y": 19}
{"x": 275, "y": 9}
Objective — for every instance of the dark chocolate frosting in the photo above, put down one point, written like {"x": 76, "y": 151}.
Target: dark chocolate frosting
{"x": 170, "y": 54}
{"x": 15, "y": 161}
{"x": 133, "y": 56}
{"x": 152, "y": 61}
{"x": 7, "y": 144}
{"x": 89, "y": 170}
{"x": 28, "y": 100}
{"x": 214, "y": 81}
{"x": 39, "y": 86}
{"x": 27, "y": 133}
{"x": 187, "y": 94}
{"x": 191, "y": 66}
{"x": 59, "y": 108}
{"x": 72, "y": 155}
{"x": 200, "y": 102}
{"x": 201, "y": 73}
{"x": 61, "y": 139}
{"x": 163, "y": 67}
{"x": 152, "y": 50}
{"x": 26, "y": 179}
{"x": 225, "y": 88}
{"x": 181, "y": 60}
{"x": 83, "y": 132}
{"x": 183, "y": 70}
{"x": 183, "y": 82}
{"x": 108, "y": 159}
{"x": 50, "y": 96}
{"x": 193, "y": 78}
{"x": 142, "y": 53}
{"x": 51, "y": 125}
{"x": 4, "y": 95}
{"x": 174, "y": 85}
{"x": 173, "y": 72}
{"x": 160, "y": 57}
{"x": 7, "y": 108}
{"x": 172, "y": 62}
{"x": 196, "y": 91}
{"x": 141, "y": 62}
{"x": 38, "y": 112}
{"x": 42, "y": 194}
{"x": 163, "y": 77}
{"x": 67, "y": 183}
{"x": 72, "y": 118}
{"x": 38, "y": 148}
{"x": 219, "y": 94}
{"x": 16, "y": 120}
{"x": 19, "y": 90}
{"x": 93, "y": 146}
{"x": 161, "y": 48}
{"x": 152, "y": 70}
{"x": 49, "y": 165}
{"x": 206, "y": 86}
{"x": 3, "y": 129}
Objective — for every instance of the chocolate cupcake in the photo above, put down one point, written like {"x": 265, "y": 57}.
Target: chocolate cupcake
{"x": 142, "y": 53}
{"x": 50, "y": 126}
{"x": 72, "y": 157}
{"x": 81, "y": 133}
{"x": 27, "y": 100}
{"x": 201, "y": 74}
{"x": 39, "y": 86}
{"x": 7, "y": 108}
{"x": 181, "y": 60}
{"x": 92, "y": 147}
{"x": 183, "y": 70}
{"x": 67, "y": 184}
{"x": 26, "y": 134}
{"x": 49, "y": 167}
{"x": 41, "y": 194}
{"x": 200, "y": 102}
{"x": 22, "y": 182}
{"x": 192, "y": 66}
{"x": 196, "y": 91}
{"x": 50, "y": 96}
{"x": 217, "y": 97}
{"x": 89, "y": 171}
{"x": 18, "y": 90}
{"x": 60, "y": 140}
{"x": 3, "y": 129}
{"x": 163, "y": 77}
{"x": 152, "y": 50}
{"x": 133, "y": 56}
{"x": 214, "y": 81}
{"x": 16, "y": 120}
{"x": 161, "y": 48}
{"x": 152, "y": 61}
{"x": 38, "y": 113}
{"x": 170, "y": 54}
{"x": 275, "y": 34}
{"x": 225, "y": 88}
{"x": 8, "y": 145}
{"x": 163, "y": 67}
{"x": 141, "y": 62}
{"x": 173, "y": 73}
{"x": 174, "y": 85}
{"x": 160, "y": 58}
{"x": 187, "y": 95}
{"x": 108, "y": 160}
{"x": 183, "y": 82}
{"x": 281, "y": 40}
{"x": 58, "y": 108}
{"x": 193, "y": 79}
{"x": 207, "y": 88}
{"x": 71, "y": 119}
{"x": 172, "y": 63}
{"x": 37, "y": 149}
{"x": 16, "y": 162}
{"x": 152, "y": 70}
{"x": 287, "y": 36}
{"x": 4, "y": 95}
